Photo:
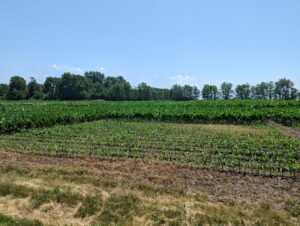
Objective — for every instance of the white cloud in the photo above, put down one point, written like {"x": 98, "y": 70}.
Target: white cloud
{"x": 66, "y": 68}
{"x": 182, "y": 79}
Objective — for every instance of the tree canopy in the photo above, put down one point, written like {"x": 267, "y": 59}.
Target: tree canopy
{"x": 95, "y": 85}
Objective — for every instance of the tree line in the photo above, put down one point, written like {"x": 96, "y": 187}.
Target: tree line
{"x": 95, "y": 85}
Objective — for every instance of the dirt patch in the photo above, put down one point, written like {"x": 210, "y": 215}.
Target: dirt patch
{"x": 287, "y": 130}
{"x": 216, "y": 185}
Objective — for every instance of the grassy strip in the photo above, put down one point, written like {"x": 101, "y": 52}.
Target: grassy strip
{"x": 85, "y": 177}
{"x": 41, "y": 196}
{"x": 10, "y": 221}
{"x": 119, "y": 210}
{"x": 133, "y": 206}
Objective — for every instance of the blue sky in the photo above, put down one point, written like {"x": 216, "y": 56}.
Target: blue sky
{"x": 161, "y": 42}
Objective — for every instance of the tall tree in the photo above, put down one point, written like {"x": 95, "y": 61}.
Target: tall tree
{"x": 260, "y": 91}
{"x": 72, "y": 87}
{"x": 95, "y": 76}
{"x": 176, "y": 92}
{"x": 51, "y": 88}
{"x": 210, "y": 92}
{"x": 226, "y": 90}
{"x": 34, "y": 89}
{"x": 17, "y": 88}
{"x": 270, "y": 90}
{"x": 195, "y": 93}
{"x": 187, "y": 92}
{"x": 3, "y": 91}
{"x": 243, "y": 91}
{"x": 284, "y": 89}
{"x": 144, "y": 91}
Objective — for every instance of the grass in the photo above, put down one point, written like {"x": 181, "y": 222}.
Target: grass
{"x": 10, "y": 221}
{"x": 118, "y": 204}
{"x": 119, "y": 209}
{"x": 91, "y": 204}
{"x": 293, "y": 207}
{"x": 40, "y": 196}
{"x": 60, "y": 195}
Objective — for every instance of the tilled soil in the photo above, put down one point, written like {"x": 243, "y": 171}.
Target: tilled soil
{"x": 217, "y": 186}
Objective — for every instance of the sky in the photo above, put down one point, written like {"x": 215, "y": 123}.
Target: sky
{"x": 160, "y": 42}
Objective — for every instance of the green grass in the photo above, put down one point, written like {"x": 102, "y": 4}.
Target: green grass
{"x": 118, "y": 210}
{"x": 40, "y": 196}
{"x": 91, "y": 204}
{"x": 10, "y": 221}
{"x": 259, "y": 149}
{"x": 293, "y": 207}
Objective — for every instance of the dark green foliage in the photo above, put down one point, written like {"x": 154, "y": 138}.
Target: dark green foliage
{"x": 243, "y": 91}
{"x": 72, "y": 87}
{"x": 17, "y": 88}
{"x": 284, "y": 90}
{"x": 34, "y": 89}
{"x": 20, "y": 115}
{"x": 226, "y": 90}
{"x": 50, "y": 88}
{"x": 209, "y": 92}
{"x": 3, "y": 91}
{"x": 94, "y": 85}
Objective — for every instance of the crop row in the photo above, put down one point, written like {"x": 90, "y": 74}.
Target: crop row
{"x": 19, "y": 115}
{"x": 245, "y": 149}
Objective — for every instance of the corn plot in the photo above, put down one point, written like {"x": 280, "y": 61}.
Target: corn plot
{"x": 241, "y": 149}
{"x": 34, "y": 114}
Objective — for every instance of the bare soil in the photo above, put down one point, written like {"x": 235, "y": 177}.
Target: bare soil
{"x": 217, "y": 186}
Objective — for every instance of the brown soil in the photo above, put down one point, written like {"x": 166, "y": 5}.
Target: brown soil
{"x": 287, "y": 130}
{"x": 217, "y": 186}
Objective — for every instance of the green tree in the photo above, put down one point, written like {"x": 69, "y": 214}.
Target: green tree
{"x": 226, "y": 90}
{"x": 210, "y": 92}
{"x": 144, "y": 91}
{"x": 243, "y": 91}
{"x": 270, "y": 90}
{"x": 260, "y": 91}
{"x": 34, "y": 89}
{"x": 284, "y": 89}
{"x": 176, "y": 92}
{"x": 50, "y": 88}
{"x": 95, "y": 76}
{"x": 3, "y": 91}
{"x": 17, "y": 88}
{"x": 187, "y": 92}
{"x": 72, "y": 87}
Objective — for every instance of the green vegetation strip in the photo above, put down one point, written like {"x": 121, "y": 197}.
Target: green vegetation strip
{"x": 15, "y": 116}
{"x": 242, "y": 149}
{"x": 10, "y": 221}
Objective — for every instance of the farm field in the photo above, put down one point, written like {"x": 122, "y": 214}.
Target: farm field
{"x": 150, "y": 163}
{"x": 260, "y": 149}
{"x": 31, "y": 114}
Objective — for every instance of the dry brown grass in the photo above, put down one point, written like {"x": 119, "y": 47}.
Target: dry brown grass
{"x": 147, "y": 208}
